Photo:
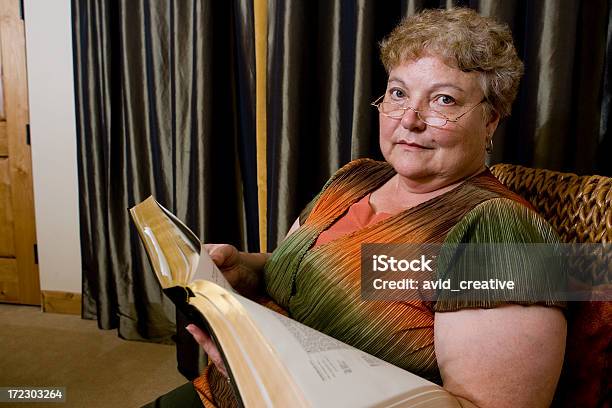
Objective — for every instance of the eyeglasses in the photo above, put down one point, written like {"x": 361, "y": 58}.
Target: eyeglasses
{"x": 431, "y": 117}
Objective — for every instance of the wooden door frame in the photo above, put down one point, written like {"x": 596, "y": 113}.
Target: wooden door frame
{"x": 12, "y": 49}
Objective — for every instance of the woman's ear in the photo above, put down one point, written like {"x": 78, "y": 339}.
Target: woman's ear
{"x": 492, "y": 122}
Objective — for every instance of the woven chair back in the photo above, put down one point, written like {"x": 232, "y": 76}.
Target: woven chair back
{"x": 578, "y": 207}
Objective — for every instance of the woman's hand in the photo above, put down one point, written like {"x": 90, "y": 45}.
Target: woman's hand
{"x": 209, "y": 347}
{"x": 227, "y": 259}
{"x": 242, "y": 270}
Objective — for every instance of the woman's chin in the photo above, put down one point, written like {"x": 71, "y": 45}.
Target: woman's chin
{"x": 415, "y": 172}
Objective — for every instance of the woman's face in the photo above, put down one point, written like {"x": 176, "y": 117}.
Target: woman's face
{"x": 433, "y": 157}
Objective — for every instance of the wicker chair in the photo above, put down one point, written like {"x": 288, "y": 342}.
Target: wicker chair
{"x": 580, "y": 209}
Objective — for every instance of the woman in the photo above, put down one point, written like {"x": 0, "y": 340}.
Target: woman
{"x": 452, "y": 76}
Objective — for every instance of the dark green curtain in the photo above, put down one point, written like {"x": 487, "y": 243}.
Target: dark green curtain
{"x": 324, "y": 70}
{"x": 322, "y": 74}
{"x": 165, "y": 106}
{"x": 164, "y": 99}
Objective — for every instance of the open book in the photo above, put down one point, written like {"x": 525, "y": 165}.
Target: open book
{"x": 272, "y": 360}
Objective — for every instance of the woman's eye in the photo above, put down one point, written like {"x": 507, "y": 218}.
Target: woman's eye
{"x": 397, "y": 93}
{"x": 446, "y": 100}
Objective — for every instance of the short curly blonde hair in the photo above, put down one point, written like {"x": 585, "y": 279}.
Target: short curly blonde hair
{"x": 463, "y": 39}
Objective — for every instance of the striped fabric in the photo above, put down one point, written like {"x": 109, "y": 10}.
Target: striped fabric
{"x": 320, "y": 286}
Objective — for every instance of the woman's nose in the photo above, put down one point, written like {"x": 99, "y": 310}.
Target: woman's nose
{"x": 412, "y": 121}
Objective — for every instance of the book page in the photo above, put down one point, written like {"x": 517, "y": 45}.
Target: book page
{"x": 186, "y": 233}
{"x": 207, "y": 270}
{"x": 172, "y": 253}
{"x": 175, "y": 252}
{"x": 333, "y": 374}
{"x": 261, "y": 379}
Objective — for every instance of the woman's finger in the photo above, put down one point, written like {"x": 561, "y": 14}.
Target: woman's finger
{"x": 209, "y": 347}
{"x": 219, "y": 253}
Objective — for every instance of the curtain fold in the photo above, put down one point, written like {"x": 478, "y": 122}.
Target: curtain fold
{"x": 556, "y": 116}
{"x": 166, "y": 106}
{"x": 603, "y": 164}
{"x": 165, "y": 94}
{"x": 323, "y": 73}
{"x": 324, "y": 70}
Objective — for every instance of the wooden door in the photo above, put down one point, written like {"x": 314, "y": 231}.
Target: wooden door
{"x": 19, "y": 281}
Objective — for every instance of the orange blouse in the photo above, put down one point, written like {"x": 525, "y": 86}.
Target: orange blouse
{"x": 359, "y": 215}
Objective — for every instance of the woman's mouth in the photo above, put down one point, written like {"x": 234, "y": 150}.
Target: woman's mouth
{"x": 412, "y": 145}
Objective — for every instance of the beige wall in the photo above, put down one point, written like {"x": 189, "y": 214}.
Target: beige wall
{"x": 52, "y": 127}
